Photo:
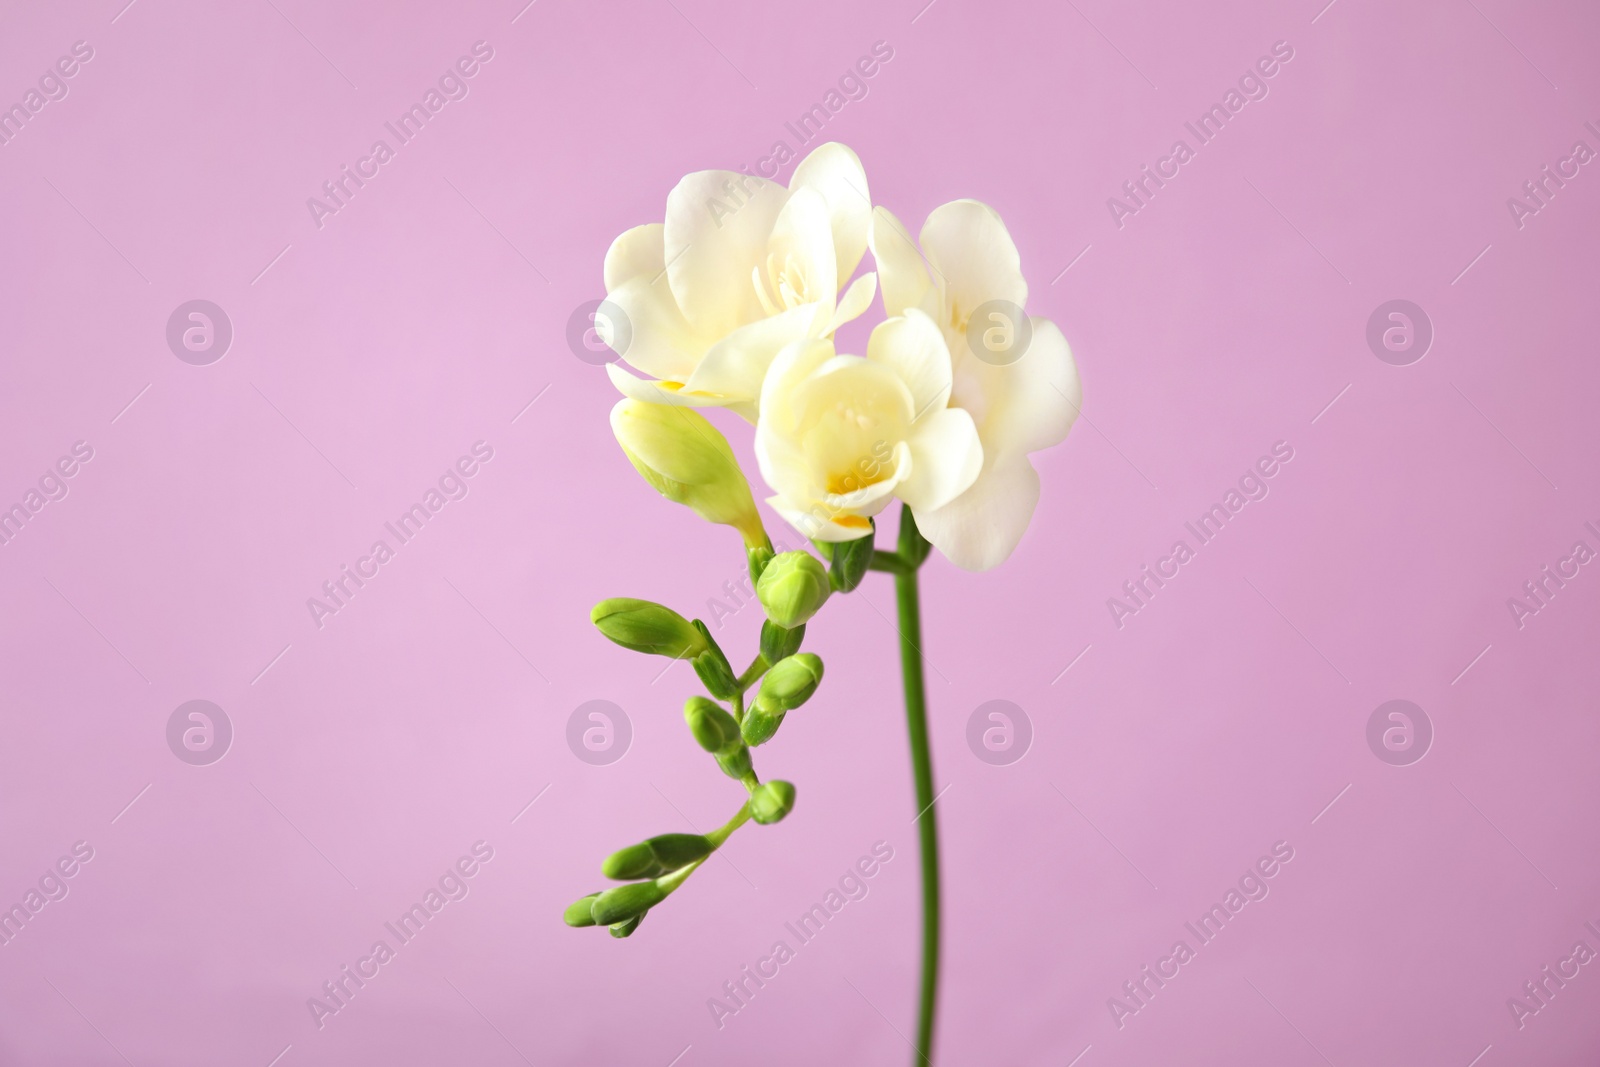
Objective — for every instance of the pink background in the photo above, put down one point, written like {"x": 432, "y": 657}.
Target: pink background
{"x": 426, "y": 315}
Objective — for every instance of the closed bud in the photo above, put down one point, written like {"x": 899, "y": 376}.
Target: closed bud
{"x": 850, "y": 562}
{"x": 656, "y": 856}
{"x": 715, "y": 672}
{"x": 623, "y": 929}
{"x": 790, "y": 682}
{"x": 778, "y": 643}
{"x": 626, "y": 864}
{"x": 758, "y": 558}
{"x": 793, "y": 587}
{"x": 579, "y": 912}
{"x": 760, "y": 724}
{"x": 627, "y": 901}
{"x": 647, "y": 627}
{"x": 771, "y": 801}
{"x": 714, "y": 729}
{"x": 736, "y": 762}
{"x": 689, "y": 462}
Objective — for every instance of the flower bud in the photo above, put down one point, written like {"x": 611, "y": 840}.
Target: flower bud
{"x": 647, "y": 627}
{"x": 656, "y": 856}
{"x": 790, "y": 682}
{"x": 778, "y": 643}
{"x": 736, "y": 762}
{"x": 793, "y": 587}
{"x": 771, "y": 801}
{"x": 850, "y": 560}
{"x": 627, "y": 901}
{"x": 689, "y": 462}
{"x": 623, "y": 929}
{"x": 714, "y": 729}
{"x": 578, "y": 913}
{"x": 758, "y": 558}
{"x": 715, "y": 672}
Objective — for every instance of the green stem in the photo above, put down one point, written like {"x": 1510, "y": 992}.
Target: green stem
{"x": 909, "y": 602}
{"x": 672, "y": 881}
{"x": 757, "y": 668}
{"x": 888, "y": 561}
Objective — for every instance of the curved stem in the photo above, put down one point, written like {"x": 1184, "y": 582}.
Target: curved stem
{"x": 909, "y": 603}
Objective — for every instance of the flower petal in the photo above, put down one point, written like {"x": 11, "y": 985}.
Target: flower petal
{"x": 981, "y": 527}
{"x": 637, "y": 251}
{"x": 802, "y": 241}
{"x": 973, "y": 256}
{"x": 836, "y": 172}
{"x": 901, "y": 272}
{"x": 818, "y": 525}
{"x": 1032, "y": 403}
{"x": 716, "y": 231}
{"x": 662, "y": 392}
{"x": 659, "y": 341}
{"x": 855, "y": 300}
{"x": 736, "y": 365}
{"x": 912, "y": 346}
{"x": 946, "y": 457}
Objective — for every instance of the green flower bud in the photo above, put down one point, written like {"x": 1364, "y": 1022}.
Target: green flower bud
{"x": 778, "y": 643}
{"x": 790, "y": 683}
{"x": 760, "y": 724}
{"x": 771, "y": 801}
{"x": 627, "y": 901}
{"x": 689, "y": 462}
{"x": 578, "y": 913}
{"x": 647, "y": 627}
{"x": 656, "y": 856}
{"x": 715, "y": 672}
{"x": 714, "y": 729}
{"x": 623, "y": 929}
{"x": 793, "y": 588}
{"x": 758, "y": 558}
{"x": 850, "y": 561}
{"x": 736, "y": 763}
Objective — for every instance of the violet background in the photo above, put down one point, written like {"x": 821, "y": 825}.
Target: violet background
{"x": 426, "y": 315}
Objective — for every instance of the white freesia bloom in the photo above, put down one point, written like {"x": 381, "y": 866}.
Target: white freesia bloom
{"x": 840, "y": 436}
{"x": 1020, "y": 407}
{"x": 740, "y": 268}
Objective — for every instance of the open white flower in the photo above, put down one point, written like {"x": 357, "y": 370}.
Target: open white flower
{"x": 840, "y": 436}
{"x": 740, "y": 268}
{"x": 1019, "y": 407}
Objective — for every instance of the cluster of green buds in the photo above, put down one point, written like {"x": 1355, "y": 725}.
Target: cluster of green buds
{"x": 688, "y": 461}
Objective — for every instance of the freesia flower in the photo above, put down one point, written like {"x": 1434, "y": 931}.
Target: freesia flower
{"x": 740, "y": 268}
{"x": 840, "y": 435}
{"x": 1021, "y": 400}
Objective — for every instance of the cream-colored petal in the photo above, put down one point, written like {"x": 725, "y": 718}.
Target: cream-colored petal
{"x": 801, "y": 240}
{"x": 736, "y": 365}
{"x": 855, "y": 301}
{"x": 1032, "y": 403}
{"x": 980, "y": 528}
{"x": 946, "y": 457}
{"x": 792, "y": 365}
{"x": 716, "y": 231}
{"x": 973, "y": 257}
{"x": 912, "y": 346}
{"x": 836, "y": 172}
{"x": 658, "y": 339}
{"x": 661, "y": 392}
{"x": 901, "y": 272}
{"x": 640, "y": 250}
{"x": 815, "y": 522}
